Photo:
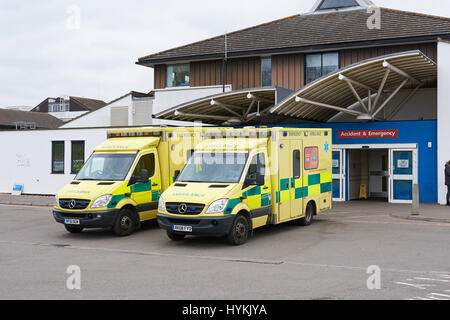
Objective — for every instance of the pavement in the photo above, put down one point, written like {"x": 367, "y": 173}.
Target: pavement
{"x": 428, "y": 211}
{"x": 27, "y": 200}
{"x": 333, "y": 259}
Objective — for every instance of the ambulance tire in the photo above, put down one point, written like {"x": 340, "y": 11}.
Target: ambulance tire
{"x": 125, "y": 223}
{"x": 74, "y": 229}
{"x": 307, "y": 220}
{"x": 239, "y": 231}
{"x": 175, "y": 237}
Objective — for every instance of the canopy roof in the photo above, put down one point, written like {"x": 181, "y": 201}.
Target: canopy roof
{"x": 235, "y": 107}
{"x": 379, "y": 78}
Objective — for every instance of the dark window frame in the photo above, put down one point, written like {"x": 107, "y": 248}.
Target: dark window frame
{"x": 321, "y": 64}
{"x": 64, "y": 155}
{"x": 73, "y": 142}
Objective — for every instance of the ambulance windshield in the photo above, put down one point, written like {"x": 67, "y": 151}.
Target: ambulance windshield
{"x": 106, "y": 167}
{"x": 214, "y": 168}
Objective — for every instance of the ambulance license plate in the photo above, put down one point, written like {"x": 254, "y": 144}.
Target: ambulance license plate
{"x": 72, "y": 221}
{"x": 182, "y": 228}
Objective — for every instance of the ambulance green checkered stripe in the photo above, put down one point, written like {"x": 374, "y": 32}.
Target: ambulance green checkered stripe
{"x": 266, "y": 199}
{"x": 137, "y": 188}
{"x": 303, "y": 192}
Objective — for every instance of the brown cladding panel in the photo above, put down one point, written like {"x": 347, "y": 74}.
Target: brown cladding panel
{"x": 160, "y": 76}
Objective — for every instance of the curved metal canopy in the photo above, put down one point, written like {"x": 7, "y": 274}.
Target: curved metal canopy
{"x": 234, "y": 108}
{"x": 371, "y": 83}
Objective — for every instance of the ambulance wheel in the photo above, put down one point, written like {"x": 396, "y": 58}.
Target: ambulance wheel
{"x": 125, "y": 223}
{"x": 74, "y": 229}
{"x": 239, "y": 231}
{"x": 175, "y": 237}
{"x": 307, "y": 220}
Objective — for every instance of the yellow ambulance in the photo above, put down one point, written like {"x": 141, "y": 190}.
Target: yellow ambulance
{"x": 238, "y": 180}
{"x": 120, "y": 184}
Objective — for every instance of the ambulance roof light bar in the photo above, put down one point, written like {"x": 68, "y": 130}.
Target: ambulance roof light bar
{"x": 236, "y": 134}
{"x": 119, "y": 134}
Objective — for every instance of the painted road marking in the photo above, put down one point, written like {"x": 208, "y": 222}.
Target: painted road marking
{"x": 430, "y": 279}
{"x": 25, "y": 206}
{"x": 426, "y": 224}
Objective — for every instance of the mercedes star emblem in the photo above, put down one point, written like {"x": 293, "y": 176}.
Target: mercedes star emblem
{"x": 182, "y": 208}
{"x": 72, "y": 204}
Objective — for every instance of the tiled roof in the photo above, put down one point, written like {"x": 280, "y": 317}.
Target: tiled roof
{"x": 8, "y": 118}
{"x": 310, "y": 30}
{"x": 90, "y": 104}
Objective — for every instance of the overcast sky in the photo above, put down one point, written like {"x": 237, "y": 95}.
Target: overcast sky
{"x": 43, "y": 52}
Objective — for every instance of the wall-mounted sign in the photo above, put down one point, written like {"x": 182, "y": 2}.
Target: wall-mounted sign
{"x": 403, "y": 164}
{"x": 355, "y": 134}
{"x": 17, "y": 190}
{"x": 335, "y": 163}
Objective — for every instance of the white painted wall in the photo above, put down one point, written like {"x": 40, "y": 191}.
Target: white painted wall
{"x": 67, "y": 116}
{"x": 28, "y": 160}
{"x": 443, "y": 110}
{"x": 171, "y": 97}
{"x": 100, "y": 117}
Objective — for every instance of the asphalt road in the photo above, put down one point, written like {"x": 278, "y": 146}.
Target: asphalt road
{"x": 327, "y": 260}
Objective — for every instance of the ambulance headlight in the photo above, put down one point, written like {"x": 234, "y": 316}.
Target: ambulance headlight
{"x": 161, "y": 205}
{"x": 102, "y": 201}
{"x": 217, "y": 206}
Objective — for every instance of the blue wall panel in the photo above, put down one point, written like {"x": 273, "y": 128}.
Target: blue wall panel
{"x": 419, "y": 132}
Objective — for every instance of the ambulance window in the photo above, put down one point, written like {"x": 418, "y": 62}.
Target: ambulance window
{"x": 146, "y": 162}
{"x": 258, "y": 164}
{"x": 296, "y": 164}
{"x": 57, "y": 157}
{"x": 311, "y": 158}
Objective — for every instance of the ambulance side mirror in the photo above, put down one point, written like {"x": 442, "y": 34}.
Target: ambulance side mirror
{"x": 254, "y": 179}
{"x": 143, "y": 178}
{"x": 177, "y": 173}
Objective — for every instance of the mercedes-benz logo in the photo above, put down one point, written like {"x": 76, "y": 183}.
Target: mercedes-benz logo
{"x": 72, "y": 204}
{"x": 182, "y": 208}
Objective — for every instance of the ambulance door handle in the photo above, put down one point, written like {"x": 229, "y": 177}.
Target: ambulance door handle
{"x": 155, "y": 185}
{"x": 265, "y": 188}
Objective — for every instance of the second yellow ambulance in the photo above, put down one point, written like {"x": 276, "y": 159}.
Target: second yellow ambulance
{"x": 241, "y": 179}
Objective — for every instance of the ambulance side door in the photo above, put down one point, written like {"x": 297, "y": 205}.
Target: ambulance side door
{"x": 284, "y": 180}
{"x": 146, "y": 194}
{"x": 297, "y": 191}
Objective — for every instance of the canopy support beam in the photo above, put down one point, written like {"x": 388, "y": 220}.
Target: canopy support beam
{"x": 328, "y": 106}
{"x": 226, "y": 107}
{"x": 389, "y": 98}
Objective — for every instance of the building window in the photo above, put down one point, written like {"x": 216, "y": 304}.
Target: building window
{"x": 334, "y": 4}
{"x": 77, "y": 156}
{"x": 58, "y": 157}
{"x": 58, "y": 105}
{"x": 320, "y": 64}
{"x": 178, "y": 75}
{"x": 266, "y": 72}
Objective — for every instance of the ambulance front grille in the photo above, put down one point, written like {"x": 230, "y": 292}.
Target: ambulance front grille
{"x": 74, "y": 204}
{"x": 191, "y": 208}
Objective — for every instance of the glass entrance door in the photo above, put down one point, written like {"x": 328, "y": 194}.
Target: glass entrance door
{"x": 402, "y": 174}
{"x": 338, "y": 175}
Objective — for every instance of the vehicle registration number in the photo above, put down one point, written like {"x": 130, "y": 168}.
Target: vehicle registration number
{"x": 72, "y": 221}
{"x": 182, "y": 228}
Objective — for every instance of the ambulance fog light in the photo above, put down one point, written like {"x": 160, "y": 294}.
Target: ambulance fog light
{"x": 215, "y": 223}
{"x": 102, "y": 201}
{"x": 217, "y": 206}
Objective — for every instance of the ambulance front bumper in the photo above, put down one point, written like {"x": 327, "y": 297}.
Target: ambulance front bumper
{"x": 201, "y": 226}
{"x": 88, "y": 219}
